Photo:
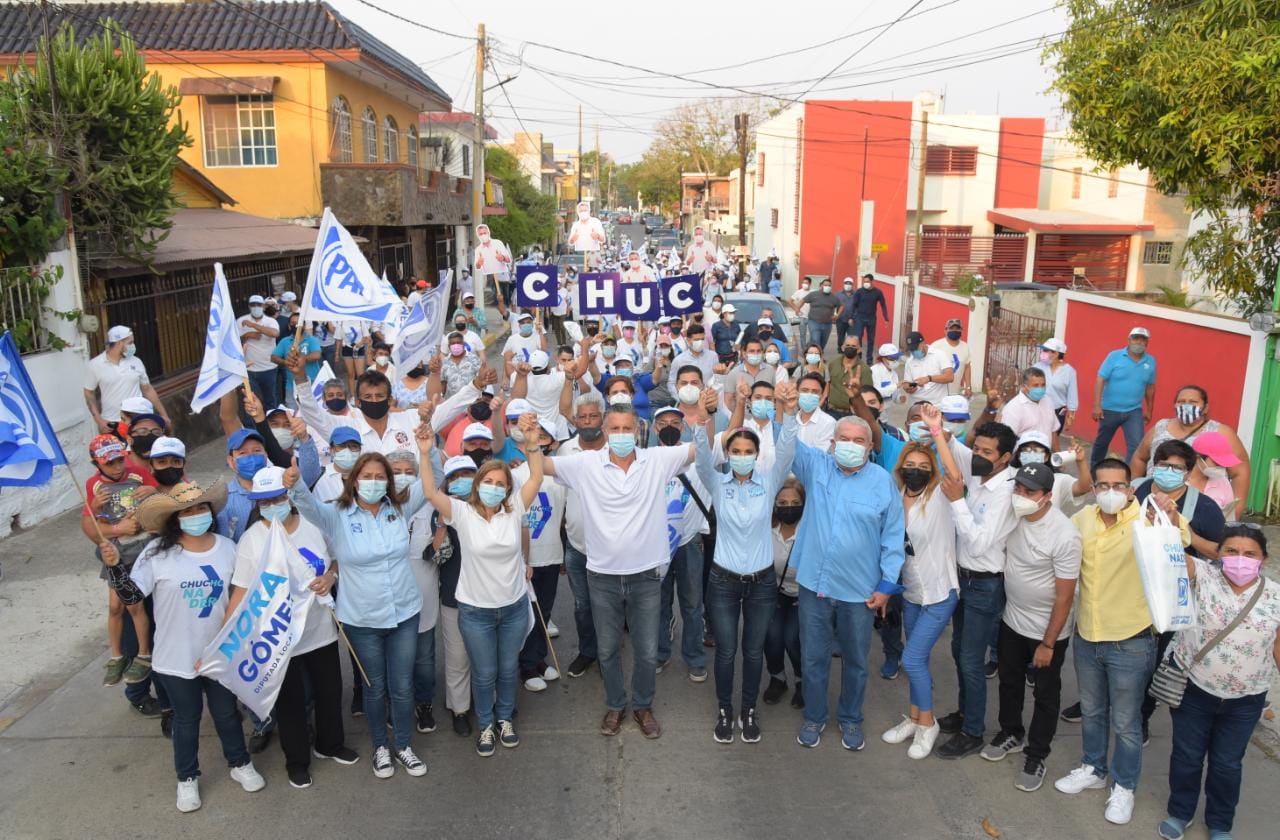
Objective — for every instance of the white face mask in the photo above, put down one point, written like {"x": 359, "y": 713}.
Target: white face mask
{"x": 697, "y": 237}
{"x": 284, "y": 437}
{"x": 484, "y": 237}
{"x": 1212, "y": 471}
{"x": 620, "y": 398}
{"x": 583, "y": 215}
{"x": 1022, "y": 506}
{"x": 772, "y": 358}
{"x": 697, "y": 344}
{"x": 1112, "y": 502}
{"x": 688, "y": 394}
{"x": 382, "y": 361}
{"x": 404, "y": 481}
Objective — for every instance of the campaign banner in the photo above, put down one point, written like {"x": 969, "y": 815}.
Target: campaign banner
{"x": 606, "y": 294}
{"x": 536, "y": 286}
{"x": 340, "y": 283}
{"x": 223, "y": 367}
{"x": 681, "y": 295}
{"x": 598, "y": 293}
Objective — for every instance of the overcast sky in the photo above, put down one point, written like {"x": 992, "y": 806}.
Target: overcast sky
{"x": 1000, "y": 40}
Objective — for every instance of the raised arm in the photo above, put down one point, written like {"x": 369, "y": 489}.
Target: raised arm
{"x": 933, "y": 417}
{"x": 324, "y": 515}
{"x": 528, "y": 424}
{"x": 438, "y": 498}
{"x": 785, "y": 447}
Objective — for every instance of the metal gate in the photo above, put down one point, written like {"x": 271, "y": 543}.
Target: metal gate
{"x": 1013, "y": 344}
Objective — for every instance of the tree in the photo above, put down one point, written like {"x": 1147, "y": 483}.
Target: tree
{"x": 1191, "y": 92}
{"x": 531, "y": 216}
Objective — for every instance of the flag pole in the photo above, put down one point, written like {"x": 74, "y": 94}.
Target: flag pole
{"x": 354, "y": 656}
{"x": 96, "y": 526}
{"x": 551, "y": 647}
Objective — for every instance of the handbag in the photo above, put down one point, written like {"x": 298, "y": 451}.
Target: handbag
{"x": 1169, "y": 682}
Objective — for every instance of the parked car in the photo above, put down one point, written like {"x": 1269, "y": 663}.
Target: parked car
{"x": 749, "y": 306}
{"x": 624, "y": 218}
{"x": 576, "y": 260}
{"x": 653, "y": 220}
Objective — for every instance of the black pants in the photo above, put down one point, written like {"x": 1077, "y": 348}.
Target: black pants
{"x": 323, "y": 668}
{"x": 1015, "y": 653}
{"x": 1149, "y": 702}
{"x": 546, "y": 579}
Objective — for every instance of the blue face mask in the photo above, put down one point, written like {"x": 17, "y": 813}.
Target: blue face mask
{"x": 808, "y": 402}
{"x": 849, "y": 454}
{"x": 526, "y": 330}
{"x": 247, "y": 466}
{"x": 371, "y": 489}
{"x": 625, "y": 373}
{"x": 275, "y": 513}
{"x": 622, "y": 444}
{"x": 958, "y": 430}
{"x": 919, "y": 431}
{"x": 1035, "y": 394}
{"x": 1168, "y": 479}
{"x": 742, "y": 464}
{"x": 194, "y": 526}
{"x": 460, "y": 487}
{"x": 491, "y": 495}
{"x": 762, "y": 409}
{"x": 917, "y": 354}
{"x": 403, "y": 481}
{"x": 345, "y": 458}
{"x": 130, "y": 351}
{"x": 1033, "y": 456}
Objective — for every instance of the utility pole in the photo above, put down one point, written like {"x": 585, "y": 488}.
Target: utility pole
{"x": 578, "y": 178}
{"x": 599, "y": 192}
{"x": 740, "y": 123}
{"x": 914, "y": 278}
{"x": 477, "y": 154}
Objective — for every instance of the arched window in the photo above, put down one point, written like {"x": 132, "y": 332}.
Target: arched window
{"x": 341, "y": 148}
{"x": 391, "y": 139}
{"x": 369, "y": 128}
{"x": 411, "y": 146}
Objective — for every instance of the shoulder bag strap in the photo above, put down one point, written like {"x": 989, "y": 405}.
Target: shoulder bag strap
{"x": 1235, "y": 622}
{"x": 684, "y": 479}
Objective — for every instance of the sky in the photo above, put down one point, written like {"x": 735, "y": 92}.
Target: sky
{"x": 983, "y": 55}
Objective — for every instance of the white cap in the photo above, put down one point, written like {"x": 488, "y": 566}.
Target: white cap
{"x": 524, "y": 315}
{"x": 1142, "y": 331}
{"x": 168, "y": 446}
{"x": 629, "y": 324}
{"x": 547, "y": 426}
{"x": 490, "y": 390}
{"x": 288, "y": 297}
{"x": 268, "y": 483}
{"x": 458, "y": 463}
{"x": 475, "y": 431}
{"x": 137, "y": 405}
{"x": 891, "y": 350}
{"x": 848, "y": 280}
{"x": 728, "y": 307}
{"x": 1035, "y": 436}
{"x": 539, "y": 359}
{"x": 764, "y": 322}
{"x": 256, "y": 299}
{"x": 664, "y": 319}
{"x": 517, "y": 407}
{"x": 1055, "y": 344}
{"x": 118, "y": 333}
{"x": 466, "y": 295}
{"x": 954, "y": 404}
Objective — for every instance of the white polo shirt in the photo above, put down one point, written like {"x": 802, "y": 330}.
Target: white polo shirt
{"x": 115, "y": 381}
{"x": 818, "y": 431}
{"x": 933, "y": 364}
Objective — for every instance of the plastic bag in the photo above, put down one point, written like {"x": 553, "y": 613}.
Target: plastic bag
{"x": 1162, "y": 562}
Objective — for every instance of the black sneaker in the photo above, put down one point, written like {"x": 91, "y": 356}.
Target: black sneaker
{"x": 426, "y": 721}
{"x": 749, "y": 727}
{"x": 724, "y": 726}
{"x": 485, "y": 741}
{"x": 959, "y": 745}
{"x": 991, "y": 669}
{"x": 1071, "y": 714}
{"x": 1032, "y": 775}
{"x": 357, "y": 702}
{"x": 148, "y": 707}
{"x": 258, "y": 741}
{"x": 300, "y": 778}
{"x": 507, "y": 734}
{"x": 797, "y": 699}
{"x": 166, "y": 723}
{"x": 776, "y": 691}
{"x": 342, "y": 755}
{"x": 952, "y": 723}
{"x": 462, "y": 725}
{"x": 580, "y": 664}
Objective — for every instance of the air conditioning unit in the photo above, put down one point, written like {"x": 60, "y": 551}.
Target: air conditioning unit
{"x": 431, "y": 142}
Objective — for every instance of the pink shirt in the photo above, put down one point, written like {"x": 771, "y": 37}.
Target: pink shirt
{"x": 1022, "y": 415}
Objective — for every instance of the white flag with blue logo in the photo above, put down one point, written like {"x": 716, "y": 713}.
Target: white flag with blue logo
{"x": 223, "y": 367}
{"x": 341, "y": 285}
{"x": 421, "y": 332}
{"x": 29, "y": 450}
{"x": 322, "y": 376}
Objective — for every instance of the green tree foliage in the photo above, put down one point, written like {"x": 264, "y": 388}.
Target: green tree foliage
{"x": 531, "y": 216}
{"x": 29, "y": 218}
{"x": 1190, "y": 91}
{"x": 114, "y": 138}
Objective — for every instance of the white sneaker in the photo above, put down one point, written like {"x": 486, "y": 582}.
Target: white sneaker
{"x": 535, "y": 684}
{"x": 412, "y": 764}
{"x": 551, "y": 674}
{"x": 1084, "y": 777}
{"x": 901, "y": 732}
{"x": 189, "y": 796}
{"x": 1120, "y": 805}
{"x": 552, "y": 630}
{"x": 382, "y": 766}
{"x": 249, "y": 778}
{"x": 922, "y": 743}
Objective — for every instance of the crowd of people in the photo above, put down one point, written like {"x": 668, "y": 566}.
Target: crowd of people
{"x": 718, "y": 494}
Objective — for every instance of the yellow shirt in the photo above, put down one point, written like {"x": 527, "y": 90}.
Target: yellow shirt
{"x": 1113, "y": 605}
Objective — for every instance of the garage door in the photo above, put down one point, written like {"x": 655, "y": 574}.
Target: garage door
{"x": 1104, "y": 258}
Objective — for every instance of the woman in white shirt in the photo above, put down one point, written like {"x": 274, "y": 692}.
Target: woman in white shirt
{"x": 493, "y": 605}
{"x": 929, "y": 576}
{"x": 184, "y": 570}
{"x": 783, "y": 635}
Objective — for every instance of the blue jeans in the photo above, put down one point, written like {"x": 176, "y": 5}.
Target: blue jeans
{"x": 424, "y": 668}
{"x": 684, "y": 580}
{"x": 388, "y": 654}
{"x": 727, "y": 599}
{"x": 493, "y": 637}
{"x": 1112, "y": 677}
{"x": 575, "y": 564}
{"x": 137, "y": 692}
{"x": 924, "y": 624}
{"x": 1133, "y": 425}
{"x": 891, "y": 629}
{"x": 980, "y": 607}
{"x": 265, "y": 387}
{"x": 633, "y": 599}
{"x": 825, "y": 623}
{"x": 1208, "y": 725}
{"x": 187, "y": 696}
{"x": 818, "y": 334}
{"x": 783, "y": 637}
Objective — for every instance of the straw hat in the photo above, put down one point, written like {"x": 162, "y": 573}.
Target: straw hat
{"x": 156, "y": 509}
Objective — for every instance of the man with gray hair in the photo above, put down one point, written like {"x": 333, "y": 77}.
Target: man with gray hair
{"x": 588, "y": 419}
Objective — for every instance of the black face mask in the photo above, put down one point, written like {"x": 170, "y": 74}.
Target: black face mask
{"x": 765, "y": 336}
{"x": 669, "y": 435}
{"x": 789, "y": 514}
{"x": 336, "y": 404}
{"x": 141, "y": 444}
{"x": 591, "y": 435}
{"x": 469, "y": 306}
{"x": 875, "y": 412}
{"x": 981, "y": 467}
{"x": 677, "y": 330}
{"x": 480, "y": 411}
{"x": 418, "y": 371}
{"x": 915, "y": 479}
{"x": 479, "y": 456}
{"x": 538, "y": 371}
{"x": 954, "y": 335}
{"x": 592, "y": 331}
{"x": 168, "y": 476}
{"x": 460, "y": 326}
{"x": 851, "y": 352}
{"x": 375, "y": 410}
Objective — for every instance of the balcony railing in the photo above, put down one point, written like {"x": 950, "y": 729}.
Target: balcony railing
{"x": 394, "y": 194}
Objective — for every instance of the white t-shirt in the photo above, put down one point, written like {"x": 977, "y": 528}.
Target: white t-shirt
{"x": 116, "y": 382}
{"x": 684, "y": 518}
{"x": 1062, "y": 493}
{"x": 797, "y": 296}
{"x": 425, "y": 573}
{"x": 929, "y": 573}
{"x": 586, "y": 236}
{"x": 492, "y": 573}
{"x": 308, "y": 540}
{"x": 933, "y": 364}
{"x": 574, "y": 528}
{"x": 543, "y": 519}
{"x": 885, "y": 379}
{"x": 958, "y": 356}
{"x": 258, "y": 349}
{"x": 543, "y": 394}
{"x": 1037, "y": 553}
{"x": 190, "y": 593}
{"x": 520, "y": 346}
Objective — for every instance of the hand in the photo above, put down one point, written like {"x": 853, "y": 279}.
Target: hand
{"x": 295, "y": 363}
{"x": 128, "y": 526}
{"x": 1068, "y": 421}
{"x": 426, "y": 440}
{"x": 110, "y": 554}
{"x": 1042, "y": 657}
{"x": 143, "y": 492}
{"x": 952, "y": 487}
{"x": 292, "y": 474}
{"x": 710, "y": 400}
{"x": 1146, "y": 415}
{"x": 322, "y": 584}
{"x": 253, "y": 406}
{"x": 425, "y": 410}
{"x": 994, "y": 400}
{"x": 1097, "y": 414}
{"x": 522, "y": 368}
{"x": 788, "y": 396}
{"x": 486, "y": 377}
{"x": 479, "y": 261}
{"x": 528, "y": 572}
{"x": 298, "y": 428}
{"x": 1078, "y": 451}
{"x": 496, "y": 405}
{"x": 1166, "y": 504}
{"x": 744, "y": 388}
{"x": 101, "y": 495}
{"x": 434, "y": 365}
{"x": 528, "y": 424}
{"x": 502, "y": 257}
{"x": 720, "y": 369}
{"x": 104, "y": 426}
{"x": 878, "y": 602}
{"x": 932, "y": 416}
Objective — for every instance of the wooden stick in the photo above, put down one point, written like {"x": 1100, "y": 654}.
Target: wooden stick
{"x": 551, "y": 647}
{"x": 354, "y": 656}
{"x": 80, "y": 488}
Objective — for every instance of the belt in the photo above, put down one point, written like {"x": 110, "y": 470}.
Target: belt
{"x": 969, "y": 573}
{"x": 753, "y": 577}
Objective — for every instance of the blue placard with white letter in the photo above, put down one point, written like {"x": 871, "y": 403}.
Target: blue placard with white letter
{"x": 536, "y": 286}
{"x": 681, "y": 295}
{"x": 598, "y": 293}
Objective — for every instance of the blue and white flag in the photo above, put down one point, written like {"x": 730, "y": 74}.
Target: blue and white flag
{"x": 322, "y": 376}
{"x": 341, "y": 285}
{"x": 421, "y": 332}
{"x": 29, "y": 450}
{"x": 223, "y": 367}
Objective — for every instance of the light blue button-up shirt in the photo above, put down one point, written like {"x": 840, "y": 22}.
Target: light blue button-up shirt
{"x": 376, "y": 587}
{"x": 851, "y": 538}
{"x": 744, "y": 509}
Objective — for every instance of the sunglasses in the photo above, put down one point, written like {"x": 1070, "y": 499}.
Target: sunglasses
{"x": 1252, "y": 526}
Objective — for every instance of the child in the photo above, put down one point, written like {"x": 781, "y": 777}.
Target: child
{"x": 113, "y": 493}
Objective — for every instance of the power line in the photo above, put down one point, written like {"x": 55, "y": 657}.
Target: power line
{"x": 416, "y": 23}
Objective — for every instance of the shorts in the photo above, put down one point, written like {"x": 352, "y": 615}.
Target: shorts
{"x": 349, "y": 352}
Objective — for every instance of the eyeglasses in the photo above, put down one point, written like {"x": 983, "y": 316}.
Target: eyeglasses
{"x": 1119, "y": 485}
{"x": 1165, "y": 465}
{"x": 1252, "y": 526}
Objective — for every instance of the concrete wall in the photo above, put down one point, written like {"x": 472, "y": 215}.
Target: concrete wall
{"x": 1172, "y": 219}
{"x": 777, "y": 140}
{"x": 964, "y": 198}
{"x": 1030, "y": 302}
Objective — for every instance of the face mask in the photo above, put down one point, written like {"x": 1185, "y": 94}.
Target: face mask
{"x": 917, "y": 354}
{"x": 382, "y": 361}
{"x": 848, "y": 287}
{"x": 1022, "y": 506}
{"x": 763, "y": 409}
{"x": 826, "y": 290}
{"x": 866, "y": 285}
{"x": 622, "y": 444}
{"x": 345, "y": 458}
{"x": 620, "y": 398}
{"x": 715, "y": 304}
{"x": 1112, "y": 502}
{"x": 980, "y": 467}
{"x": 954, "y": 335}
{"x": 696, "y": 345}
{"x": 624, "y": 372}
{"x": 403, "y": 481}
{"x": 812, "y": 358}
{"x": 526, "y": 330}
{"x": 275, "y": 513}
{"x": 375, "y": 410}
{"x": 1213, "y": 473}
{"x": 491, "y": 495}
{"x": 664, "y": 352}
{"x": 480, "y": 411}
{"x": 608, "y": 351}
{"x": 688, "y": 393}
{"x": 284, "y": 437}
{"x": 457, "y": 349}
{"x": 460, "y": 487}
{"x": 514, "y": 433}
{"x": 1035, "y": 394}
{"x": 583, "y": 215}
{"x": 728, "y": 318}
{"x": 336, "y": 404}
{"x": 590, "y": 435}
{"x": 875, "y": 411}
{"x": 593, "y": 329}
{"x": 141, "y": 444}
{"x": 460, "y": 326}
{"x": 194, "y": 526}
{"x": 849, "y": 454}
{"x": 248, "y": 465}
{"x": 255, "y": 311}
{"x": 1168, "y": 479}
{"x": 130, "y": 351}
{"x": 956, "y": 429}
{"x": 789, "y": 514}
{"x": 919, "y": 432}
{"x": 914, "y": 478}
{"x": 1032, "y": 456}
{"x": 1137, "y": 349}
{"x": 478, "y": 456}
{"x": 676, "y": 329}
{"x": 417, "y": 372}
{"x": 742, "y": 464}
{"x": 1046, "y": 356}
{"x": 371, "y": 489}
{"x": 1239, "y": 569}
{"x": 851, "y": 352}
{"x": 635, "y": 265}
{"x": 808, "y": 402}
{"x": 669, "y": 435}
{"x": 168, "y": 476}
{"x": 1188, "y": 413}
{"x": 754, "y": 359}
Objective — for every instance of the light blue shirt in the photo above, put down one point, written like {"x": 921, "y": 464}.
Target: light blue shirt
{"x": 851, "y": 541}
{"x": 376, "y": 587}
{"x": 1061, "y": 386}
{"x": 744, "y": 509}
{"x": 1127, "y": 380}
{"x": 309, "y": 461}
{"x": 234, "y": 516}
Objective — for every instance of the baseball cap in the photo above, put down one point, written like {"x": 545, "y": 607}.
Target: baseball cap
{"x": 728, "y": 307}
{"x": 268, "y": 483}
{"x": 256, "y": 299}
{"x": 104, "y": 448}
{"x": 764, "y": 322}
{"x": 1142, "y": 331}
{"x": 539, "y": 359}
{"x": 525, "y": 316}
{"x": 667, "y": 409}
{"x": 137, "y": 405}
{"x": 343, "y": 435}
{"x": 489, "y": 390}
{"x": 476, "y": 431}
{"x": 628, "y": 325}
{"x": 466, "y": 295}
{"x": 547, "y": 426}
{"x": 1035, "y": 476}
{"x": 517, "y": 407}
{"x": 236, "y": 439}
{"x": 1215, "y": 445}
{"x": 278, "y": 408}
{"x": 955, "y": 322}
{"x": 914, "y": 340}
{"x": 664, "y": 319}
{"x": 954, "y": 407}
{"x": 421, "y": 284}
{"x": 148, "y": 415}
{"x": 457, "y": 464}
{"x": 118, "y": 333}
{"x": 168, "y": 446}
{"x": 288, "y": 297}
{"x": 889, "y": 350}
{"x": 1055, "y": 344}
{"x": 1035, "y": 436}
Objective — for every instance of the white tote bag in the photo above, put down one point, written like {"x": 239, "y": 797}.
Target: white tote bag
{"x": 1163, "y": 564}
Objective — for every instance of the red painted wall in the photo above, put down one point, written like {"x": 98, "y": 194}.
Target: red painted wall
{"x": 1186, "y": 354}
{"x": 888, "y": 290}
{"x": 1018, "y": 168}
{"x": 936, "y": 311}
{"x": 833, "y": 182}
